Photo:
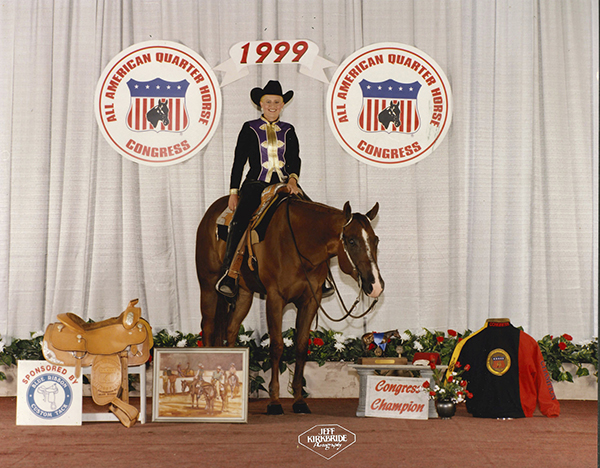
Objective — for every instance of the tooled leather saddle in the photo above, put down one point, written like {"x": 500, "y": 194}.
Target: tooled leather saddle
{"x": 109, "y": 347}
{"x": 271, "y": 198}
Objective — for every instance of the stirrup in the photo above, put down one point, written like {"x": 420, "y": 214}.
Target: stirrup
{"x": 127, "y": 414}
{"x": 226, "y": 286}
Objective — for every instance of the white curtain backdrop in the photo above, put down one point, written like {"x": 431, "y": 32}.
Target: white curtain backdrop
{"x": 500, "y": 221}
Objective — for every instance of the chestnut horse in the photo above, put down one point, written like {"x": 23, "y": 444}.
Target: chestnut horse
{"x": 292, "y": 266}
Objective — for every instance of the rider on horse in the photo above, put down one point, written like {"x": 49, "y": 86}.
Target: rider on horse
{"x": 271, "y": 148}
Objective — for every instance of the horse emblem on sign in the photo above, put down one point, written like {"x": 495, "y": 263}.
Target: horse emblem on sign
{"x": 389, "y": 106}
{"x": 157, "y": 105}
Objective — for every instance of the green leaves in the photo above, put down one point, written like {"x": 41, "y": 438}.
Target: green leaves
{"x": 328, "y": 345}
{"x": 561, "y": 349}
{"x": 29, "y": 350}
{"x": 171, "y": 339}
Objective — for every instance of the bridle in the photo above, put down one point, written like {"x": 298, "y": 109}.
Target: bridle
{"x": 348, "y": 312}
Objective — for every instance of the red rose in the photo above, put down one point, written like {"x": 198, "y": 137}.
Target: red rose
{"x": 199, "y": 343}
{"x": 440, "y": 339}
{"x": 567, "y": 337}
{"x": 562, "y": 346}
{"x": 452, "y": 332}
{"x": 310, "y": 341}
{"x": 467, "y": 367}
{"x": 432, "y": 364}
{"x": 450, "y": 379}
{"x": 319, "y": 342}
{"x": 469, "y": 395}
{"x": 463, "y": 383}
{"x": 426, "y": 384}
{"x": 372, "y": 346}
{"x": 457, "y": 365}
{"x": 431, "y": 393}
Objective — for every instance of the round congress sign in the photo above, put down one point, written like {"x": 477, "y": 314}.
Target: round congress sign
{"x": 389, "y": 104}
{"x": 158, "y": 103}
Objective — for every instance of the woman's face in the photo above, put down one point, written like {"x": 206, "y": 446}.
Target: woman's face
{"x": 271, "y": 106}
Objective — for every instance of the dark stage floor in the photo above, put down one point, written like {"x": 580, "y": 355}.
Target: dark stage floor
{"x": 272, "y": 441}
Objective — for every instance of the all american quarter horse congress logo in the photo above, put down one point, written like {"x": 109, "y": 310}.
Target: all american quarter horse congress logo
{"x": 389, "y": 104}
{"x": 158, "y": 103}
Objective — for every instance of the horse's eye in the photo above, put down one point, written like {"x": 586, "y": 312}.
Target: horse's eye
{"x": 351, "y": 241}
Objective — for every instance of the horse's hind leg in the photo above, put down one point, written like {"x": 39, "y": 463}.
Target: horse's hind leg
{"x": 274, "y": 318}
{"x": 304, "y": 318}
{"x": 208, "y": 309}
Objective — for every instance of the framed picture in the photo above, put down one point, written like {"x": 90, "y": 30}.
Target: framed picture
{"x": 200, "y": 385}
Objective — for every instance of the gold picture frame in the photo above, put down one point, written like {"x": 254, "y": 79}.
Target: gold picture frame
{"x": 200, "y": 385}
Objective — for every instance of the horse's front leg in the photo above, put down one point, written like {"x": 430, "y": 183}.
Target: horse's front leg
{"x": 304, "y": 318}
{"x": 242, "y": 307}
{"x": 274, "y": 318}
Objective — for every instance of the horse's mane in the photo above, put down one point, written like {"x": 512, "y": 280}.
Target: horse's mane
{"x": 315, "y": 206}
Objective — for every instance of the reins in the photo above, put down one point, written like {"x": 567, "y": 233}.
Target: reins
{"x": 348, "y": 313}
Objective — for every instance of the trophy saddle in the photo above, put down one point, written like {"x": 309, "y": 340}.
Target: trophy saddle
{"x": 109, "y": 347}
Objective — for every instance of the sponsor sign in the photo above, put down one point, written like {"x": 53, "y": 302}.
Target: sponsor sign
{"x": 327, "y": 440}
{"x": 47, "y": 395}
{"x": 389, "y": 104}
{"x": 396, "y": 397}
{"x": 158, "y": 103}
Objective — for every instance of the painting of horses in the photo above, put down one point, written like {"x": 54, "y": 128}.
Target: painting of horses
{"x": 200, "y": 385}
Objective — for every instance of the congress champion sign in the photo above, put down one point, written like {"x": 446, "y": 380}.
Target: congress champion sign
{"x": 389, "y": 104}
{"x": 158, "y": 103}
{"x": 396, "y": 397}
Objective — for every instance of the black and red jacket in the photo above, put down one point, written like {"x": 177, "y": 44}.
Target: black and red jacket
{"x": 507, "y": 375}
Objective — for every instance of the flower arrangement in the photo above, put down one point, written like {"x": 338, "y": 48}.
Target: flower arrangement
{"x": 327, "y": 345}
{"x": 451, "y": 387}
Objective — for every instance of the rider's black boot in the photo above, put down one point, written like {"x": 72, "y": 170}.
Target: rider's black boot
{"x": 227, "y": 285}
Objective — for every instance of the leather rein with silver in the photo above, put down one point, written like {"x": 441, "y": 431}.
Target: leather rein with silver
{"x": 348, "y": 313}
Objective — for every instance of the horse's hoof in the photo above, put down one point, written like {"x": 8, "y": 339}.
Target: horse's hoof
{"x": 273, "y": 409}
{"x": 301, "y": 408}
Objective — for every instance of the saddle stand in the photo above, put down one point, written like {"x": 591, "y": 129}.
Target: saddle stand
{"x": 110, "y": 347}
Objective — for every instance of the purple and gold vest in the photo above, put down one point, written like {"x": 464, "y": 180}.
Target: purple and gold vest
{"x": 271, "y": 142}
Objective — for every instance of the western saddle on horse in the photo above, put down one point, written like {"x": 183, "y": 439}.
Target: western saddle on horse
{"x": 110, "y": 347}
{"x": 271, "y": 198}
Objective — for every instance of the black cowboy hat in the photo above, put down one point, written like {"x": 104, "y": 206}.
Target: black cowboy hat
{"x": 272, "y": 87}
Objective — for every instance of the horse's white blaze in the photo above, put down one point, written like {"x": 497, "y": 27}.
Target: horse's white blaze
{"x": 377, "y": 288}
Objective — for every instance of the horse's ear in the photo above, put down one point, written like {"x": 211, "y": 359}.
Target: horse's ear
{"x": 347, "y": 211}
{"x": 371, "y": 214}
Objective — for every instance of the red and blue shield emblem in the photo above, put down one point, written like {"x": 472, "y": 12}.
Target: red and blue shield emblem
{"x": 157, "y": 105}
{"x": 389, "y": 106}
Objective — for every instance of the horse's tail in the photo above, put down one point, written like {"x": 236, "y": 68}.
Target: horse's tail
{"x": 221, "y": 315}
